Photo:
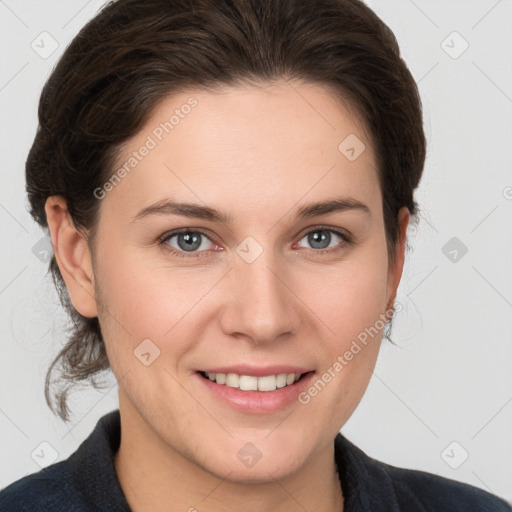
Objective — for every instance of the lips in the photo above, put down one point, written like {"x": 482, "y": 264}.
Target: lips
{"x": 261, "y": 394}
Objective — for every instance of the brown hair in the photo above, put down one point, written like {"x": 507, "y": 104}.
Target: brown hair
{"x": 134, "y": 53}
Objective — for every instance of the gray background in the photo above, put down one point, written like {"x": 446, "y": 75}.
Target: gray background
{"x": 445, "y": 393}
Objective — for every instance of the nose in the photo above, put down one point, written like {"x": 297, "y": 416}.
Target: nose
{"x": 260, "y": 304}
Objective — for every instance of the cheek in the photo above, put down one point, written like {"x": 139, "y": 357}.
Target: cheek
{"x": 150, "y": 301}
{"x": 348, "y": 298}
{"x": 350, "y": 301}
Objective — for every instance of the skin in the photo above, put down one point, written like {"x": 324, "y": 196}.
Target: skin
{"x": 257, "y": 153}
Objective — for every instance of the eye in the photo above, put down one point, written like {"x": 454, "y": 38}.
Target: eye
{"x": 322, "y": 238}
{"x": 186, "y": 241}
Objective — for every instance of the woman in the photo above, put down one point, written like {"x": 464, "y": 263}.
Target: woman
{"x": 228, "y": 187}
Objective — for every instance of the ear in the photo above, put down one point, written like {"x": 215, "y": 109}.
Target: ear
{"x": 73, "y": 256}
{"x": 397, "y": 264}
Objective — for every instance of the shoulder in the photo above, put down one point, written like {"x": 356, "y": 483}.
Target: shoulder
{"x": 50, "y": 489}
{"x": 85, "y": 481}
{"x": 433, "y": 492}
{"x": 370, "y": 484}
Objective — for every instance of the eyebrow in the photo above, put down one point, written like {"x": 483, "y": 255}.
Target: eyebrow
{"x": 167, "y": 207}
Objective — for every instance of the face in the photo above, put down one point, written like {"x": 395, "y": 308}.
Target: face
{"x": 250, "y": 278}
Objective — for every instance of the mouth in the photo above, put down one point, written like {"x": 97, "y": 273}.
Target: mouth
{"x": 250, "y": 383}
{"x": 271, "y": 390}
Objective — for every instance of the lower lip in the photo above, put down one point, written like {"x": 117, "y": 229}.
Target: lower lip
{"x": 257, "y": 402}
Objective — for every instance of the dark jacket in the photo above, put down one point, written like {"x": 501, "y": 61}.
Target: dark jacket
{"x": 87, "y": 481}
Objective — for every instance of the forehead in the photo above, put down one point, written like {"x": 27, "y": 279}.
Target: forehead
{"x": 256, "y": 146}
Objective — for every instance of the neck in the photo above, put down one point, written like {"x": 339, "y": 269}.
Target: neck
{"x": 153, "y": 475}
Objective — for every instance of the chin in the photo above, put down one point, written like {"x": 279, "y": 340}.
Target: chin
{"x": 254, "y": 461}
{"x": 262, "y": 472}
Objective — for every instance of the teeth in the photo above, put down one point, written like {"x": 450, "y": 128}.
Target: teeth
{"x": 247, "y": 383}
{"x": 232, "y": 380}
{"x": 251, "y": 383}
{"x": 267, "y": 383}
{"x": 281, "y": 380}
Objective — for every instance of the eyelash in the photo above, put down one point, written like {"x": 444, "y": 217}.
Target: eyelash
{"x": 346, "y": 240}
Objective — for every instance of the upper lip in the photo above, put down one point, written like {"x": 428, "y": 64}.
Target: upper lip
{"x": 258, "y": 371}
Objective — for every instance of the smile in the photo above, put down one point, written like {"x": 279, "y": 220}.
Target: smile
{"x": 252, "y": 383}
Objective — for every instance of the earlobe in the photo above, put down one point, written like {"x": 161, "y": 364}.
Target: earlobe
{"x": 73, "y": 256}
{"x": 397, "y": 265}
